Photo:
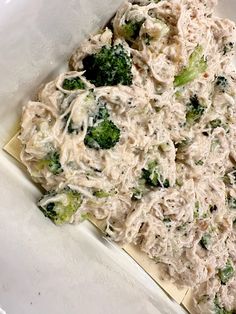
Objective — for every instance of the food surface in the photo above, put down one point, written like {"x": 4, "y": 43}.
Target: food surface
{"x": 141, "y": 133}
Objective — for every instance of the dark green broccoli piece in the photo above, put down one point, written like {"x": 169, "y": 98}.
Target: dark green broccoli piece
{"x": 194, "y": 110}
{"x": 52, "y": 162}
{"x": 73, "y": 83}
{"x": 205, "y": 241}
{"x": 101, "y": 194}
{"x": 108, "y": 67}
{"x": 196, "y": 65}
{"x": 131, "y": 29}
{"x": 152, "y": 176}
{"x": 228, "y": 47}
{"x": 105, "y": 135}
{"x": 60, "y": 207}
{"x": 226, "y": 273}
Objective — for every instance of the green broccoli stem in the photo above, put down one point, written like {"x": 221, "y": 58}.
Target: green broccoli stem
{"x": 61, "y": 206}
{"x": 196, "y": 65}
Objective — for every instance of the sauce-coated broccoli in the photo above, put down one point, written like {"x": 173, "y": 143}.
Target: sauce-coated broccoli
{"x": 60, "y": 207}
{"x": 131, "y": 29}
{"x": 102, "y": 113}
{"x": 196, "y": 65}
{"x": 152, "y": 176}
{"x": 194, "y": 110}
{"x": 105, "y": 135}
{"x": 73, "y": 83}
{"x": 226, "y": 273}
{"x": 108, "y": 67}
{"x": 51, "y": 162}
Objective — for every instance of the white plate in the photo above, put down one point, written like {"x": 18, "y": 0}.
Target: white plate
{"x": 43, "y": 268}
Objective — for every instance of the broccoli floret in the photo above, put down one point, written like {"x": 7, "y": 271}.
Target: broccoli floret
{"x": 108, "y": 67}
{"x": 196, "y": 65}
{"x": 105, "y": 135}
{"x": 194, "y": 110}
{"x": 52, "y": 162}
{"x": 226, "y": 273}
{"x": 205, "y": 241}
{"x": 152, "y": 176}
{"x": 131, "y": 29}
{"x": 221, "y": 83}
{"x": 60, "y": 207}
{"x": 101, "y": 194}
{"x": 73, "y": 83}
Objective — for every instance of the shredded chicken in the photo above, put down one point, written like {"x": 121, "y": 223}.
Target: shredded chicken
{"x": 187, "y": 222}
